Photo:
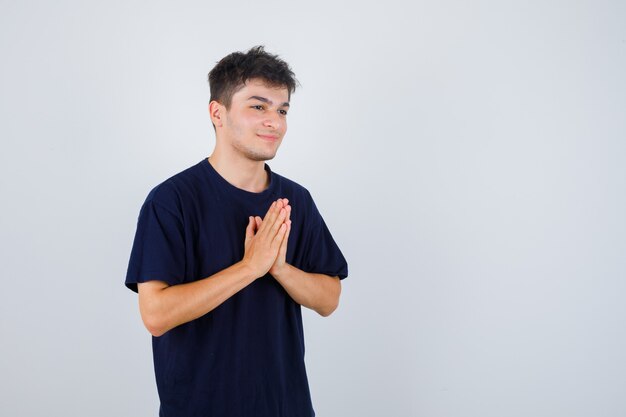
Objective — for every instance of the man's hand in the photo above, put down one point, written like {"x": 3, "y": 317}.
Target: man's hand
{"x": 318, "y": 292}
{"x": 281, "y": 259}
{"x": 264, "y": 238}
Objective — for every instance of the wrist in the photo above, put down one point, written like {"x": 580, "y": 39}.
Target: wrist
{"x": 247, "y": 270}
{"x": 280, "y": 271}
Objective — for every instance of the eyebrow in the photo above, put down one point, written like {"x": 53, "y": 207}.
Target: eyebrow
{"x": 264, "y": 100}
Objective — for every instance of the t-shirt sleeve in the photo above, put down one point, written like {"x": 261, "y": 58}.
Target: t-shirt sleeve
{"x": 158, "y": 251}
{"x": 323, "y": 256}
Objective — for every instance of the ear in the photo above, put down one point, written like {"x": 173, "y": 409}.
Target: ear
{"x": 216, "y": 112}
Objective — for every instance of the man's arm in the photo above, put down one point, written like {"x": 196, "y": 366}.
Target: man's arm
{"x": 318, "y": 292}
{"x": 164, "y": 306}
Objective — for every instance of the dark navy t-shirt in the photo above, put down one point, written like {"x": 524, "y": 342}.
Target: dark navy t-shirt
{"x": 246, "y": 357}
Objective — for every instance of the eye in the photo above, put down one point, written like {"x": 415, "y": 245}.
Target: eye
{"x": 258, "y": 107}
{"x": 283, "y": 112}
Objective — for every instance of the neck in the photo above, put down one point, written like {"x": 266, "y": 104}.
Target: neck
{"x": 242, "y": 173}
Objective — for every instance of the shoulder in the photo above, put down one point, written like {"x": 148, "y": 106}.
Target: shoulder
{"x": 291, "y": 188}
{"x": 171, "y": 193}
{"x": 299, "y": 197}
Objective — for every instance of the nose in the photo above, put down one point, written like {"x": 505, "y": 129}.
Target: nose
{"x": 273, "y": 121}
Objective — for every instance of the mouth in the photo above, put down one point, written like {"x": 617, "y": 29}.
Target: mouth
{"x": 270, "y": 138}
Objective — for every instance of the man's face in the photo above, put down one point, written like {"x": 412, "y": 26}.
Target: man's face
{"x": 256, "y": 122}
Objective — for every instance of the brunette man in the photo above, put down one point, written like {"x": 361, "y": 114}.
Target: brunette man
{"x": 225, "y": 254}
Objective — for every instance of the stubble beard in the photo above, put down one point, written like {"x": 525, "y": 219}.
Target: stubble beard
{"x": 249, "y": 151}
{"x": 254, "y": 154}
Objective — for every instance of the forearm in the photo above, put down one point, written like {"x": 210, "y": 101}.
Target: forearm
{"x": 164, "y": 307}
{"x": 318, "y": 292}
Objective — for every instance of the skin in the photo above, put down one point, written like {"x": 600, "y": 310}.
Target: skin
{"x": 247, "y": 134}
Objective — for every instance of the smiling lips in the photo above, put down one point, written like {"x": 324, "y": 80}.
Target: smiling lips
{"x": 271, "y": 138}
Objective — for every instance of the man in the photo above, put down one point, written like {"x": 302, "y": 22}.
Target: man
{"x": 225, "y": 254}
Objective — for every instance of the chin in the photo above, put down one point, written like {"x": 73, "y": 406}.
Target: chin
{"x": 261, "y": 157}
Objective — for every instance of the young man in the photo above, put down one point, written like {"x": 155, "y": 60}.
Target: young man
{"x": 225, "y": 254}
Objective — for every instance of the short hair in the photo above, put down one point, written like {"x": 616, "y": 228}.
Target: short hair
{"x": 232, "y": 72}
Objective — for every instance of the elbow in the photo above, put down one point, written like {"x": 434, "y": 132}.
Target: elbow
{"x": 156, "y": 331}
{"x": 153, "y": 319}
{"x": 153, "y": 325}
{"x": 330, "y": 308}
{"x": 325, "y": 312}
{"x": 151, "y": 308}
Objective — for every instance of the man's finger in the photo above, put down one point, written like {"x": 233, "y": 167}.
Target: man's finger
{"x": 277, "y": 210}
{"x": 283, "y": 246}
{"x": 274, "y": 218}
{"x": 249, "y": 228}
{"x": 278, "y": 239}
{"x": 278, "y": 222}
{"x": 288, "y": 208}
{"x": 271, "y": 212}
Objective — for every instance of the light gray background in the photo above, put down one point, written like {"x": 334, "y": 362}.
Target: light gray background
{"x": 468, "y": 158}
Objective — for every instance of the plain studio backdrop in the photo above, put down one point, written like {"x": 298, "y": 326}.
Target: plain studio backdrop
{"x": 468, "y": 158}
